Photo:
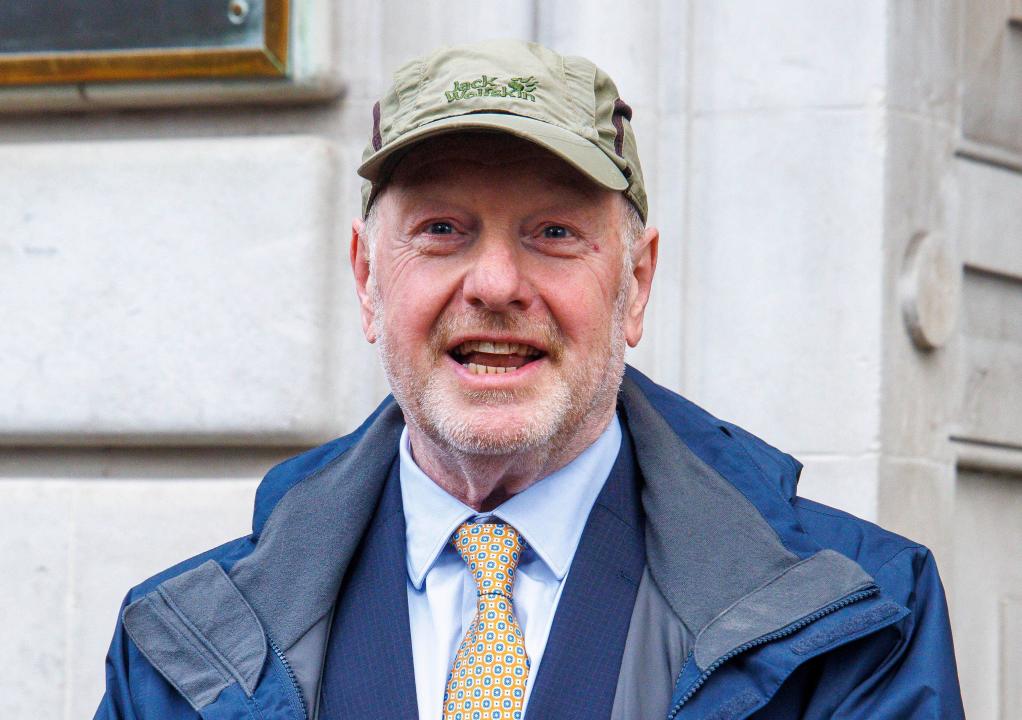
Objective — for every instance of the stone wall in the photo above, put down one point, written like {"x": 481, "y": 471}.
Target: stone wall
{"x": 837, "y": 185}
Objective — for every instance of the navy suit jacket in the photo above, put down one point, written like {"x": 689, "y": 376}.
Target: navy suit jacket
{"x": 369, "y": 671}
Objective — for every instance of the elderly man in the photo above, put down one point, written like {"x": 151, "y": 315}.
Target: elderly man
{"x": 528, "y": 529}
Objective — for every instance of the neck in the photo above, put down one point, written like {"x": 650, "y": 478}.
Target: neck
{"x": 485, "y": 481}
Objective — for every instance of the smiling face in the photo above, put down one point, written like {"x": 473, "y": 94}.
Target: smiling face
{"x": 500, "y": 295}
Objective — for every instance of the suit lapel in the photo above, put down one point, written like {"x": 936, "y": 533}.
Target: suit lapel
{"x": 578, "y": 673}
{"x": 369, "y": 672}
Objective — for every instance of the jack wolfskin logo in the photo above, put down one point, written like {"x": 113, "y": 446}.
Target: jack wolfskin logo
{"x": 517, "y": 87}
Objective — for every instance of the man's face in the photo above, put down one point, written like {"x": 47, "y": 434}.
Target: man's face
{"x": 499, "y": 294}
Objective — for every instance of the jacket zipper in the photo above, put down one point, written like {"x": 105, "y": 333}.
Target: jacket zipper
{"x": 296, "y": 689}
{"x": 783, "y": 632}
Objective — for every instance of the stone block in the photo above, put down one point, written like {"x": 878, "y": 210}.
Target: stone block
{"x": 411, "y": 30}
{"x": 847, "y": 483}
{"x": 168, "y": 291}
{"x": 988, "y": 222}
{"x": 35, "y": 558}
{"x": 986, "y": 225}
{"x": 784, "y": 298}
{"x": 991, "y": 106}
{"x": 991, "y": 387}
{"x": 1011, "y": 657}
{"x": 921, "y": 274}
{"x": 916, "y": 499}
{"x": 125, "y": 531}
{"x": 792, "y": 54}
{"x": 639, "y": 46}
{"x": 922, "y": 58}
{"x": 984, "y": 587}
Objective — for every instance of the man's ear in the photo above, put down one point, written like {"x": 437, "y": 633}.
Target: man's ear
{"x": 360, "y": 260}
{"x": 644, "y": 257}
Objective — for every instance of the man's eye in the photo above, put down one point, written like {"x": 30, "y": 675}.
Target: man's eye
{"x": 555, "y": 232}
{"x": 440, "y": 228}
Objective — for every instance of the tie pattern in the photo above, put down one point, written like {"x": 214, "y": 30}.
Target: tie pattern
{"x": 487, "y": 680}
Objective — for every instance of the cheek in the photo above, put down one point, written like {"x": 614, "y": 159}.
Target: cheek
{"x": 413, "y": 299}
{"x": 583, "y": 316}
{"x": 581, "y": 301}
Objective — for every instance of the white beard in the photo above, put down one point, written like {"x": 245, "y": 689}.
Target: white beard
{"x": 552, "y": 418}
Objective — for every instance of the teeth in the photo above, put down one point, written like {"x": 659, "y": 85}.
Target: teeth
{"x": 497, "y": 348}
{"x": 477, "y": 369}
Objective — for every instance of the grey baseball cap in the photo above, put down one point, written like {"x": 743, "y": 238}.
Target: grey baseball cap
{"x": 564, "y": 104}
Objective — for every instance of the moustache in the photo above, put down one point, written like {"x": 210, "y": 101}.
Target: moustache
{"x": 545, "y": 334}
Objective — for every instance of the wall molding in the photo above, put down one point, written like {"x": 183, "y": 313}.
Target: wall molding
{"x": 986, "y": 456}
{"x": 989, "y": 154}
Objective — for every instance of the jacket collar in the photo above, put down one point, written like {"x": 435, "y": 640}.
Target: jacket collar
{"x": 703, "y": 532}
{"x": 313, "y": 532}
{"x": 718, "y": 558}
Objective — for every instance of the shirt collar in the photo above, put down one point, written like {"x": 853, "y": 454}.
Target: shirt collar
{"x": 550, "y": 514}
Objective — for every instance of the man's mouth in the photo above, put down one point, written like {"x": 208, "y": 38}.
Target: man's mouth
{"x": 486, "y": 357}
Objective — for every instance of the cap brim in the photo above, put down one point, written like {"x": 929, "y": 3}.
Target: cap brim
{"x": 578, "y": 152}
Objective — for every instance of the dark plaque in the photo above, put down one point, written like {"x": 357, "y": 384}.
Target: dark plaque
{"x": 71, "y": 41}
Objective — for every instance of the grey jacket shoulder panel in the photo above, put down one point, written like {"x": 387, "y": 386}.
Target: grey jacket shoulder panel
{"x": 796, "y": 593}
{"x": 204, "y": 629}
{"x": 323, "y": 516}
{"x": 198, "y": 631}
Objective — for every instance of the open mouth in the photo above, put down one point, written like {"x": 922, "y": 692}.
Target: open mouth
{"x": 485, "y": 357}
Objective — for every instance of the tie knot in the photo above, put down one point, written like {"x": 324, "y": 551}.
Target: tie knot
{"x": 491, "y": 551}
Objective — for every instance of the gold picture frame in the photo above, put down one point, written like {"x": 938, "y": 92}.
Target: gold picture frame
{"x": 268, "y": 61}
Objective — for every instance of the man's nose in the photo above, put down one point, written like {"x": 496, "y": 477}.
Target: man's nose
{"x": 495, "y": 280}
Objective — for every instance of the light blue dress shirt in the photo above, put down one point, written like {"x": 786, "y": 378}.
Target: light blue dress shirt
{"x": 550, "y": 515}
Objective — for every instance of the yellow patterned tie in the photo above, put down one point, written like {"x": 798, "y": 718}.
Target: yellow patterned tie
{"x": 487, "y": 680}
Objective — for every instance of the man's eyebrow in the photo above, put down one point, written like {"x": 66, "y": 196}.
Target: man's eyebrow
{"x": 429, "y": 205}
{"x": 572, "y": 201}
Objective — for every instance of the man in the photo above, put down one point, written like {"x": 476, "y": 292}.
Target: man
{"x": 528, "y": 529}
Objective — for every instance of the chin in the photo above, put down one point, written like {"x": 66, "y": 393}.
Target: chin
{"x": 494, "y": 426}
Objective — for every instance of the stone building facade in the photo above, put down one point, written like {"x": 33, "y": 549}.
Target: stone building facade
{"x": 839, "y": 189}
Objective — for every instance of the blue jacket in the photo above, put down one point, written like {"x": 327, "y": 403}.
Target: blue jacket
{"x": 794, "y": 609}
